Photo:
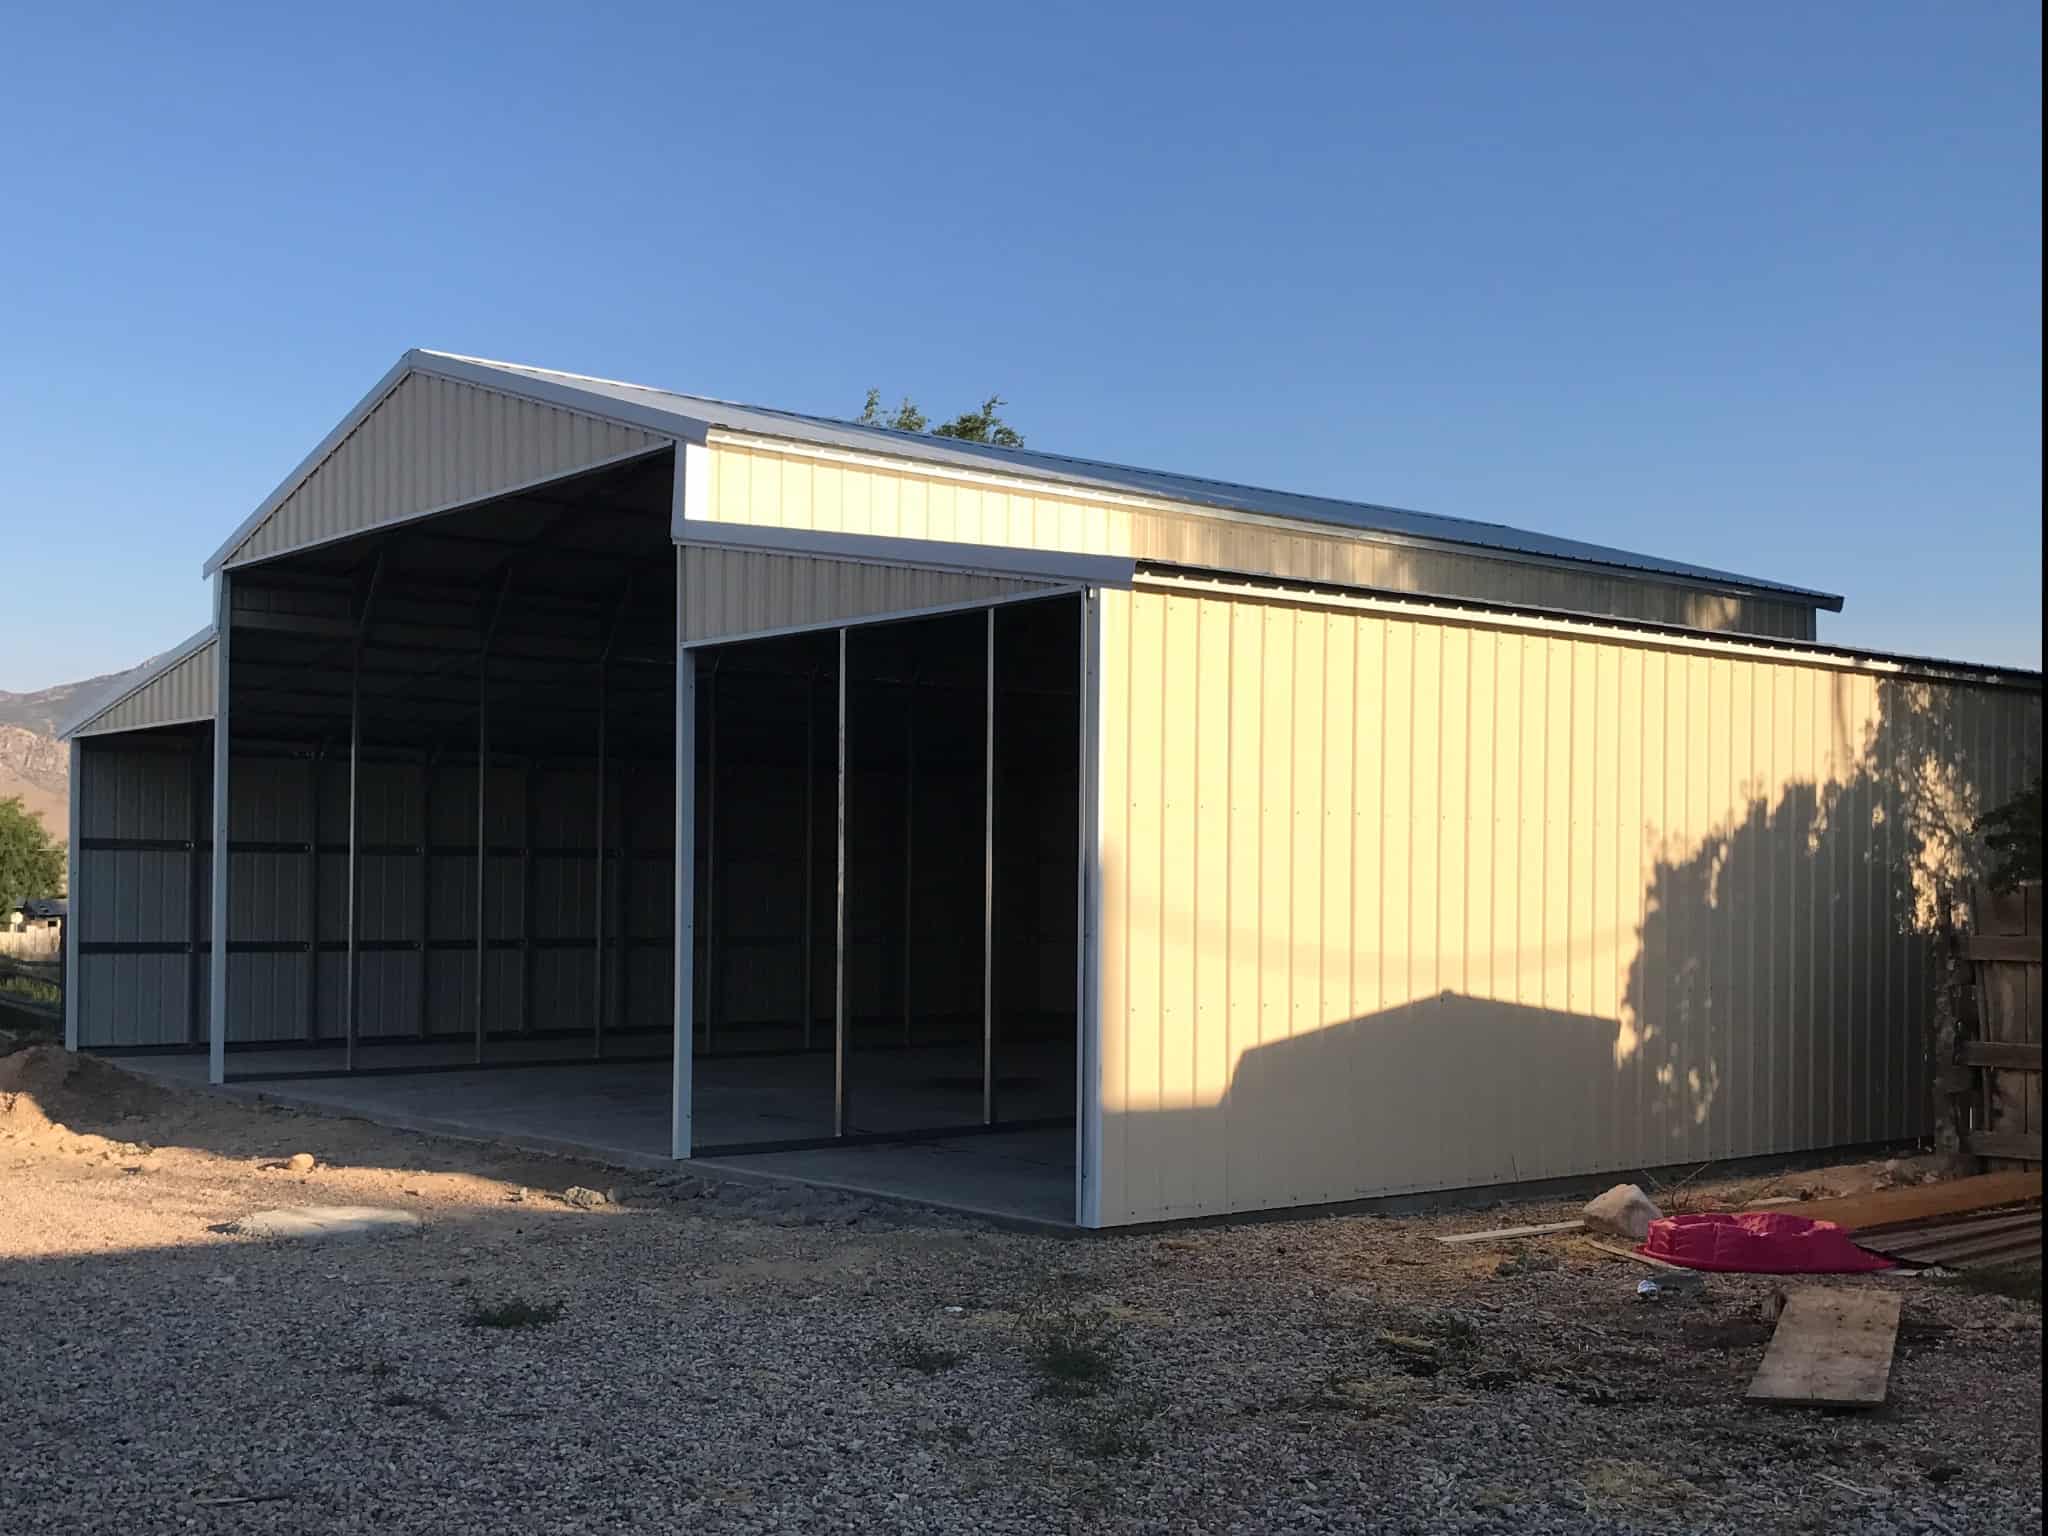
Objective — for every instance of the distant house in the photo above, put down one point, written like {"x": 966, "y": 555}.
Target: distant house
{"x": 37, "y": 912}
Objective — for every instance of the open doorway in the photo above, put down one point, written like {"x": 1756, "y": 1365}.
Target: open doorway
{"x": 887, "y": 884}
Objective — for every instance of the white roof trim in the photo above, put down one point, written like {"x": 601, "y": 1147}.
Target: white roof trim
{"x": 689, "y": 418}
{"x": 78, "y": 724}
{"x": 1637, "y": 632}
{"x": 930, "y": 554}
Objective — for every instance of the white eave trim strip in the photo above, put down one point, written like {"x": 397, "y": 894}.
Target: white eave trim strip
{"x": 1586, "y": 627}
{"x": 926, "y": 554}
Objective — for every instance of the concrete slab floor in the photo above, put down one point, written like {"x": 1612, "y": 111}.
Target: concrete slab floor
{"x": 618, "y": 1112}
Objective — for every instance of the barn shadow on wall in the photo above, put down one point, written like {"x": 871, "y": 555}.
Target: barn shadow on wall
{"x": 1774, "y": 981}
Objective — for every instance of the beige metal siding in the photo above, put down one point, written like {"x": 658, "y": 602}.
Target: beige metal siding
{"x": 183, "y": 692}
{"x": 741, "y": 592}
{"x": 433, "y": 443}
{"x": 764, "y": 486}
{"x": 1395, "y": 904}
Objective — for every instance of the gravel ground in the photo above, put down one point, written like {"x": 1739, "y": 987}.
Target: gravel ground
{"x": 734, "y": 1358}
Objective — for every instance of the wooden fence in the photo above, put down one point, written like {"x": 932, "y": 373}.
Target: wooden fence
{"x": 43, "y": 943}
{"x": 2004, "y": 951}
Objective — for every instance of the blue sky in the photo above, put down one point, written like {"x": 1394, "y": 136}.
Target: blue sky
{"x": 1754, "y": 286}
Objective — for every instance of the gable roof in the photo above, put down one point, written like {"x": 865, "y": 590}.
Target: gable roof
{"x": 182, "y": 693}
{"x": 691, "y": 417}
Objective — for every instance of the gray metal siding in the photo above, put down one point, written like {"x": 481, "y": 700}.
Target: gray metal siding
{"x": 181, "y": 693}
{"x": 141, "y": 791}
{"x": 731, "y": 592}
{"x": 1396, "y": 904}
{"x": 139, "y": 788}
{"x": 753, "y": 484}
{"x": 434, "y": 443}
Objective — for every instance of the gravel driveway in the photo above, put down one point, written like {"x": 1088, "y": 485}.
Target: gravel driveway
{"x": 733, "y": 1358}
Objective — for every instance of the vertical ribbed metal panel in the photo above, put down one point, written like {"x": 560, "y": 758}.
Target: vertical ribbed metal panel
{"x": 434, "y": 443}
{"x": 740, "y": 592}
{"x": 137, "y": 791}
{"x": 1395, "y": 905}
{"x": 182, "y": 692}
{"x": 753, "y": 484}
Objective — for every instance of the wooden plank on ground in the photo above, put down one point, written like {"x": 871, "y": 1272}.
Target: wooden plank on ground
{"x": 1629, "y": 1253}
{"x": 1832, "y": 1349}
{"x": 1917, "y": 1202}
{"x": 1505, "y": 1232}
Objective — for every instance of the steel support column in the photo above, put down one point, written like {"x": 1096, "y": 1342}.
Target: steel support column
{"x": 354, "y": 876}
{"x": 195, "y": 877}
{"x": 217, "y": 998}
{"x": 909, "y": 834}
{"x": 839, "y": 1106}
{"x": 597, "y": 892}
{"x": 988, "y": 879}
{"x": 683, "y": 1031}
{"x": 711, "y": 860}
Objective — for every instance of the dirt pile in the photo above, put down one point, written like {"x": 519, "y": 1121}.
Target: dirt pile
{"x": 46, "y": 1091}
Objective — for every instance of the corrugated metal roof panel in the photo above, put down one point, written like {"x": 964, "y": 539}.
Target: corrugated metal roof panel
{"x": 177, "y": 688}
{"x": 695, "y": 412}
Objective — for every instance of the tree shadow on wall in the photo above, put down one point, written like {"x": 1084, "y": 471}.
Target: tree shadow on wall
{"x": 1780, "y": 995}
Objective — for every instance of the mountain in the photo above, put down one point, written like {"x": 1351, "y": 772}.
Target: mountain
{"x": 34, "y": 764}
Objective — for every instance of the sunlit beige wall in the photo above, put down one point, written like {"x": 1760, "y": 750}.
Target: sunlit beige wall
{"x": 790, "y": 486}
{"x": 1392, "y": 904}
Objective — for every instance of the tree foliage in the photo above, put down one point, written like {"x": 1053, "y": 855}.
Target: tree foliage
{"x": 30, "y": 864}
{"x": 978, "y": 426}
{"x": 2012, "y": 835}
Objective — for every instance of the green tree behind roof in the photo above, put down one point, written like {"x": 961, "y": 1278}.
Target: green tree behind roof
{"x": 982, "y": 426}
{"x": 30, "y": 864}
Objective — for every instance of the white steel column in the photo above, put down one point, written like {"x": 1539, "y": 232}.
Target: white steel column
{"x": 217, "y": 994}
{"x": 681, "y": 1076}
{"x": 1087, "y": 969}
{"x": 839, "y": 920}
{"x": 988, "y": 879}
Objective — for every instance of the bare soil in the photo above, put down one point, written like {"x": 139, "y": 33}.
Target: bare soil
{"x": 686, "y": 1354}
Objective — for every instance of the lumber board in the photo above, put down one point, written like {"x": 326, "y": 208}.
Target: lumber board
{"x": 1955, "y": 1229}
{"x": 1629, "y": 1253}
{"x": 1832, "y": 1349}
{"x": 2001, "y": 1054}
{"x": 2013, "y": 948}
{"x": 1504, "y": 1232}
{"x": 2006, "y": 1144}
{"x": 1917, "y": 1202}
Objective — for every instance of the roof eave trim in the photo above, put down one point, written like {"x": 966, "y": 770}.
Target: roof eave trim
{"x": 1165, "y": 576}
{"x": 181, "y": 651}
{"x": 1724, "y": 584}
{"x": 925, "y": 554}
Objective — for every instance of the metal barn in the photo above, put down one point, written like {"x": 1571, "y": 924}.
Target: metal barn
{"x": 618, "y": 769}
